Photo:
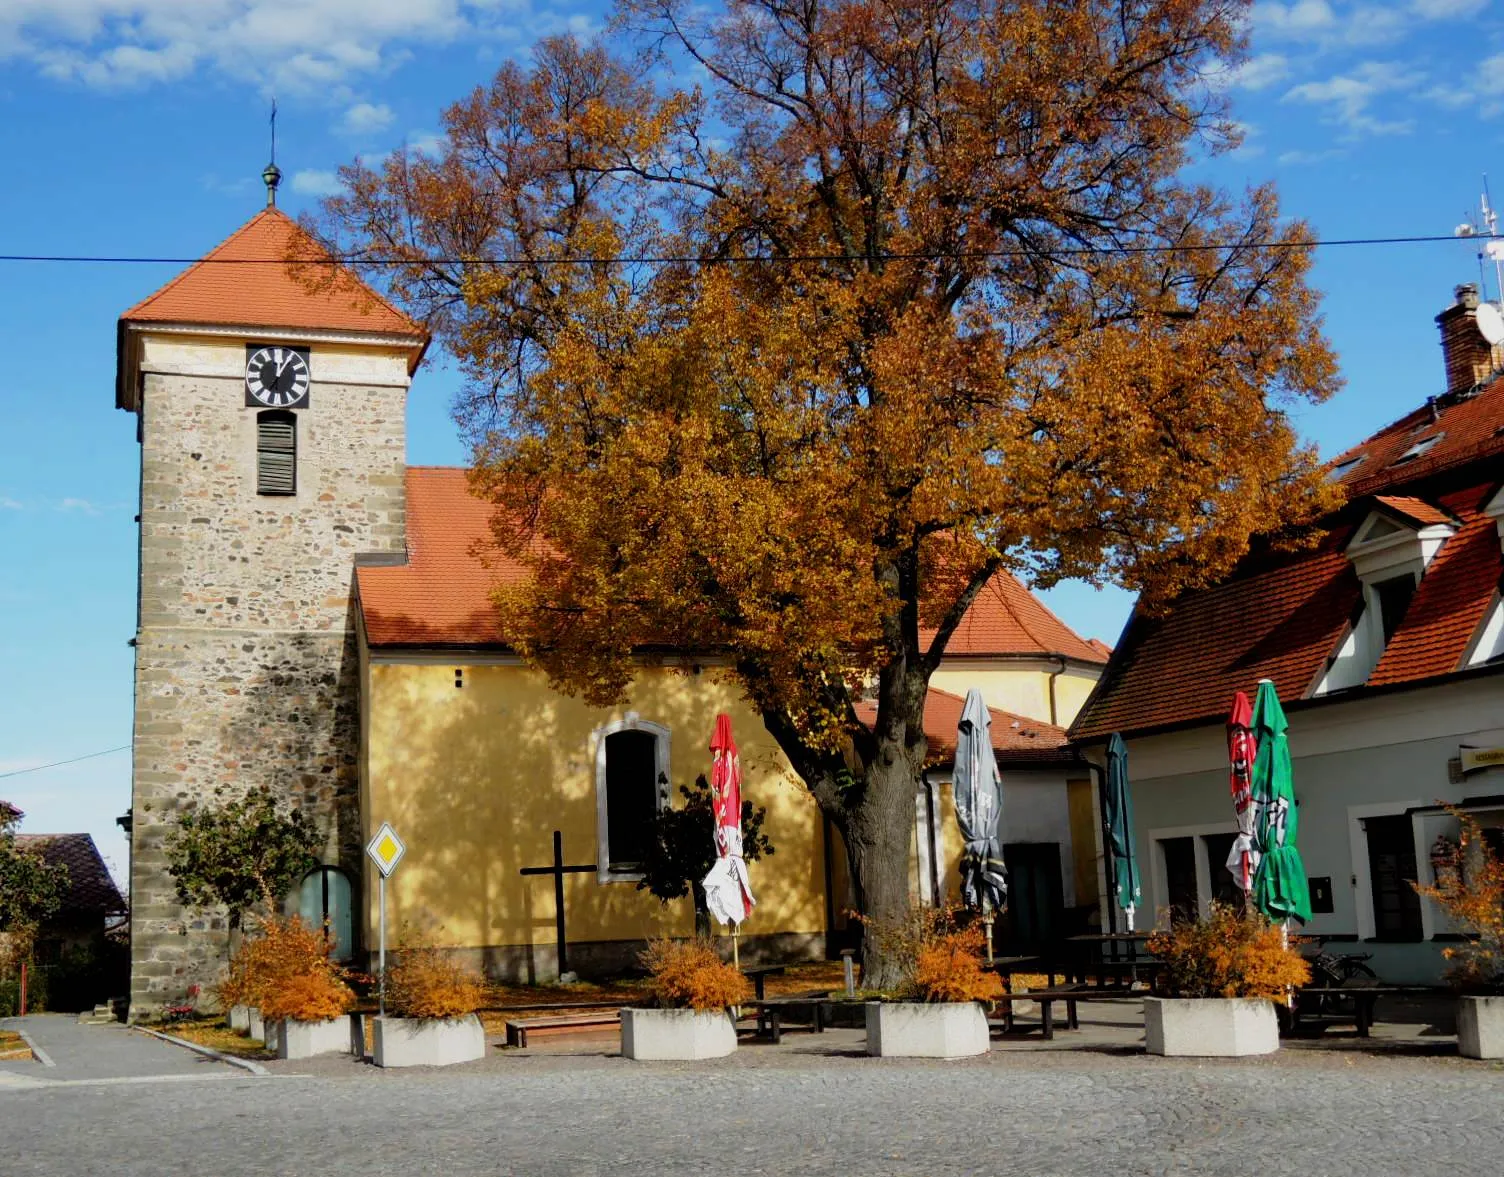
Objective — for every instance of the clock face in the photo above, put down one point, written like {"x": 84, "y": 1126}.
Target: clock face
{"x": 276, "y": 377}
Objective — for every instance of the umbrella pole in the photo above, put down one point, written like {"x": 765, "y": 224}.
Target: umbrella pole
{"x": 987, "y": 917}
{"x": 736, "y": 960}
{"x": 1284, "y": 942}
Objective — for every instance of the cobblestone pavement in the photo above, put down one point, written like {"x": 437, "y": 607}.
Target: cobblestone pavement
{"x": 820, "y": 1109}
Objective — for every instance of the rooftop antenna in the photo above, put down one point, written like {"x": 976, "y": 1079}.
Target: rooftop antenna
{"x": 1486, "y": 225}
{"x": 272, "y": 174}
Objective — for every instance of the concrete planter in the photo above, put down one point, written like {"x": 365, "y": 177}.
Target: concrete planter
{"x": 427, "y": 1042}
{"x": 916, "y": 1029}
{"x": 254, "y": 1026}
{"x": 297, "y": 1039}
{"x": 676, "y": 1034}
{"x": 1480, "y": 1027}
{"x": 240, "y": 1018}
{"x": 271, "y": 1036}
{"x": 1210, "y": 1027}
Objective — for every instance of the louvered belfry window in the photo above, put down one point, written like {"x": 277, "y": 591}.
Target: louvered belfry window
{"x": 276, "y": 453}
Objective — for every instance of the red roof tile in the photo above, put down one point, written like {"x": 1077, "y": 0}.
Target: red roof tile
{"x": 1015, "y": 739}
{"x": 241, "y": 283}
{"x": 1466, "y": 429}
{"x": 1282, "y": 618}
{"x": 1416, "y": 510}
{"x": 441, "y": 596}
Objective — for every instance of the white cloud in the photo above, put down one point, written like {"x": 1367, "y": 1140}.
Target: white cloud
{"x": 1298, "y": 158}
{"x": 1446, "y": 9}
{"x": 1484, "y": 88}
{"x": 1261, "y": 71}
{"x": 1348, "y": 97}
{"x": 312, "y": 182}
{"x": 1300, "y": 19}
{"x": 84, "y": 506}
{"x": 365, "y": 119}
{"x": 1325, "y": 25}
{"x": 283, "y": 46}
{"x": 9, "y": 504}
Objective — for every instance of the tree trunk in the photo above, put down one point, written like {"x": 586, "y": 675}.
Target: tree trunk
{"x": 879, "y": 831}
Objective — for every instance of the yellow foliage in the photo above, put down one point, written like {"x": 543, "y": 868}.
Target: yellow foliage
{"x": 1470, "y": 889}
{"x": 689, "y": 974}
{"x": 938, "y": 958}
{"x": 1229, "y": 955}
{"x": 429, "y": 983}
{"x": 285, "y": 971}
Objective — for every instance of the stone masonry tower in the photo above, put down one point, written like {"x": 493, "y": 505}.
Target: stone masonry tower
{"x": 270, "y": 405}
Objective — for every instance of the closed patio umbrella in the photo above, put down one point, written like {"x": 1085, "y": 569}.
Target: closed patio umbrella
{"x": 979, "y": 809}
{"x": 728, "y": 891}
{"x": 1280, "y": 889}
{"x": 1243, "y": 859}
{"x": 1117, "y": 820}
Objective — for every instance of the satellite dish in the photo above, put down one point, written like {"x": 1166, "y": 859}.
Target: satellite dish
{"x": 1490, "y": 323}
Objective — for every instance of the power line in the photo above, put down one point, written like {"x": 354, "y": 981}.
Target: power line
{"x": 739, "y": 259}
{"x": 60, "y": 763}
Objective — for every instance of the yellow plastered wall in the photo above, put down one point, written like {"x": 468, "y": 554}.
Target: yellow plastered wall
{"x": 1022, "y": 690}
{"x": 476, "y": 779}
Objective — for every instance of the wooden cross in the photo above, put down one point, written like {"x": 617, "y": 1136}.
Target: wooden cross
{"x": 559, "y": 870}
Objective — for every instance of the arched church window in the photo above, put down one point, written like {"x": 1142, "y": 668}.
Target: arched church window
{"x": 276, "y": 453}
{"x": 631, "y": 785}
{"x": 324, "y": 900}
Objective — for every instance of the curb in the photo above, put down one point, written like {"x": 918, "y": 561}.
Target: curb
{"x": 41, "y": 1055}
{"x": 245, "y": 1064}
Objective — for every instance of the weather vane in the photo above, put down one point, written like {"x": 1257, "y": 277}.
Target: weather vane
{"x": 272, "y": 174}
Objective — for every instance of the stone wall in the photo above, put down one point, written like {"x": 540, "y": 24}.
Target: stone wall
{"x": 246, "y": 669}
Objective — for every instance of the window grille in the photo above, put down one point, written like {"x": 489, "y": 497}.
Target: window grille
{"x": 276, "y": 453}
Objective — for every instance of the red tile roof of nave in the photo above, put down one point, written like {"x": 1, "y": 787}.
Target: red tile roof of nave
{"x": 442, "y": 595}
{"x": 1016, "y": 739}
{"x": 244, "y": 281}
{"x": 1416, "y": 510}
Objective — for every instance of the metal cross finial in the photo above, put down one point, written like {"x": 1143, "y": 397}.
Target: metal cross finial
{"x": 272, "y": 174}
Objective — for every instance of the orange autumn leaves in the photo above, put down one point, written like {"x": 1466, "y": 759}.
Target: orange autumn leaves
{"x": 978, "y": 321}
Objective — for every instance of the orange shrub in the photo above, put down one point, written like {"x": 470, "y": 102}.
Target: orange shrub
{"x": 428, "y": 983}
{"x": 940, "y": 959}
{"x": 949, "y": 968}
{"x": 1228, "y": 955}
{"x": 286, "y": 973}
{"x": 1470, "y": 889}
{"x": 689, "y": 974}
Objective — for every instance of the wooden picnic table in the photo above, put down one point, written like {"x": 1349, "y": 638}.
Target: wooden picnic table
{"x": 1365, "y": 997}
{"x": 758, "y": 974}
{"x": 1093, "y": 947}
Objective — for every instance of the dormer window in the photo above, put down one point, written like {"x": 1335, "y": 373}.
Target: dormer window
{"x": 1390, "y": 552}
{"x": 1419, "y": 449}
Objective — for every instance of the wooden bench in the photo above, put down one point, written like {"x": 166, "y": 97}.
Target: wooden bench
{"x": 771, "y": 1011}
{"x": 758, "y": 974}
{"x": 1365, "y": 997}
{"x": 518, "y": 1030}
{"x": 1069, "y": 995}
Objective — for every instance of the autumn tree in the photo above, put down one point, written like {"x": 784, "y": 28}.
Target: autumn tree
{"x": 31, "y": 888}
{"x": 786, "y": 326}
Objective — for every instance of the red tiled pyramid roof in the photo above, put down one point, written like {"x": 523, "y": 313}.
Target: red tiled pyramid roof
{"x": 441, "y": 596}
{"x": 1281, "y": 617}
{"x": 1015, "y": 739}
{"x": 241, "y": 283}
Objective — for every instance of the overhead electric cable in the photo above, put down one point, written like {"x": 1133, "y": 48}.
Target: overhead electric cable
{"x": 60, "y": 763}
{"x": 740, "y": 259}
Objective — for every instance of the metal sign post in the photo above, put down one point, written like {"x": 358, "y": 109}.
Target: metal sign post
{"x": 386, "y": 851}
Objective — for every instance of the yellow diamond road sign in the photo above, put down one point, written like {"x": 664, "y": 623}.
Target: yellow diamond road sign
{"x": 386, "y": 849}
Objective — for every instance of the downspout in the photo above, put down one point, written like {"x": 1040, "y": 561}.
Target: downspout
{"x": 1054, "y": 674}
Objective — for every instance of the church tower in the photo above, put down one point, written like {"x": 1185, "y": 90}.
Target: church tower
{"x": 270, "y": 401}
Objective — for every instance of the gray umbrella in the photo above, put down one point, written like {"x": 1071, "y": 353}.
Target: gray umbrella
{"x": 979, "y": 809}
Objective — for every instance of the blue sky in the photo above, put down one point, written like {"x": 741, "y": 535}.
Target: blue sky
{"x": 138, "y": 127}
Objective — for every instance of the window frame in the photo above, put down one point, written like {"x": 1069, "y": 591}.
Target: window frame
{"x": 661, "y": 761}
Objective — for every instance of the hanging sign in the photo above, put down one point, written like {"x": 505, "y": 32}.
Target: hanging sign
{"x": 1474, "y": 759}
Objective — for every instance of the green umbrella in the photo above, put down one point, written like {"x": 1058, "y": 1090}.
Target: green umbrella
{"x": 1117, "y": 817}
{"x": 1280, "y": 889}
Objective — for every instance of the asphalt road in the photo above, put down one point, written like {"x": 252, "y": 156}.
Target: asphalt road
{"x": 1104, "y": 1115}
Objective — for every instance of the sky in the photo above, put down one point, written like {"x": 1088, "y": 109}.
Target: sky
{"x": 139, "y": 128}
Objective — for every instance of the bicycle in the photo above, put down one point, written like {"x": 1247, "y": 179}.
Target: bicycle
{"x": 1335, "y": 970}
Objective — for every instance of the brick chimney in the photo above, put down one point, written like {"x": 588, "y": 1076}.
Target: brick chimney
{"x": 1469, "y": 358}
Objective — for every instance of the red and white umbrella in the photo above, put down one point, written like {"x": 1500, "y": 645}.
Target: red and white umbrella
{"x": 1242, "y": 751}
{"x": 728, "y": 892}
